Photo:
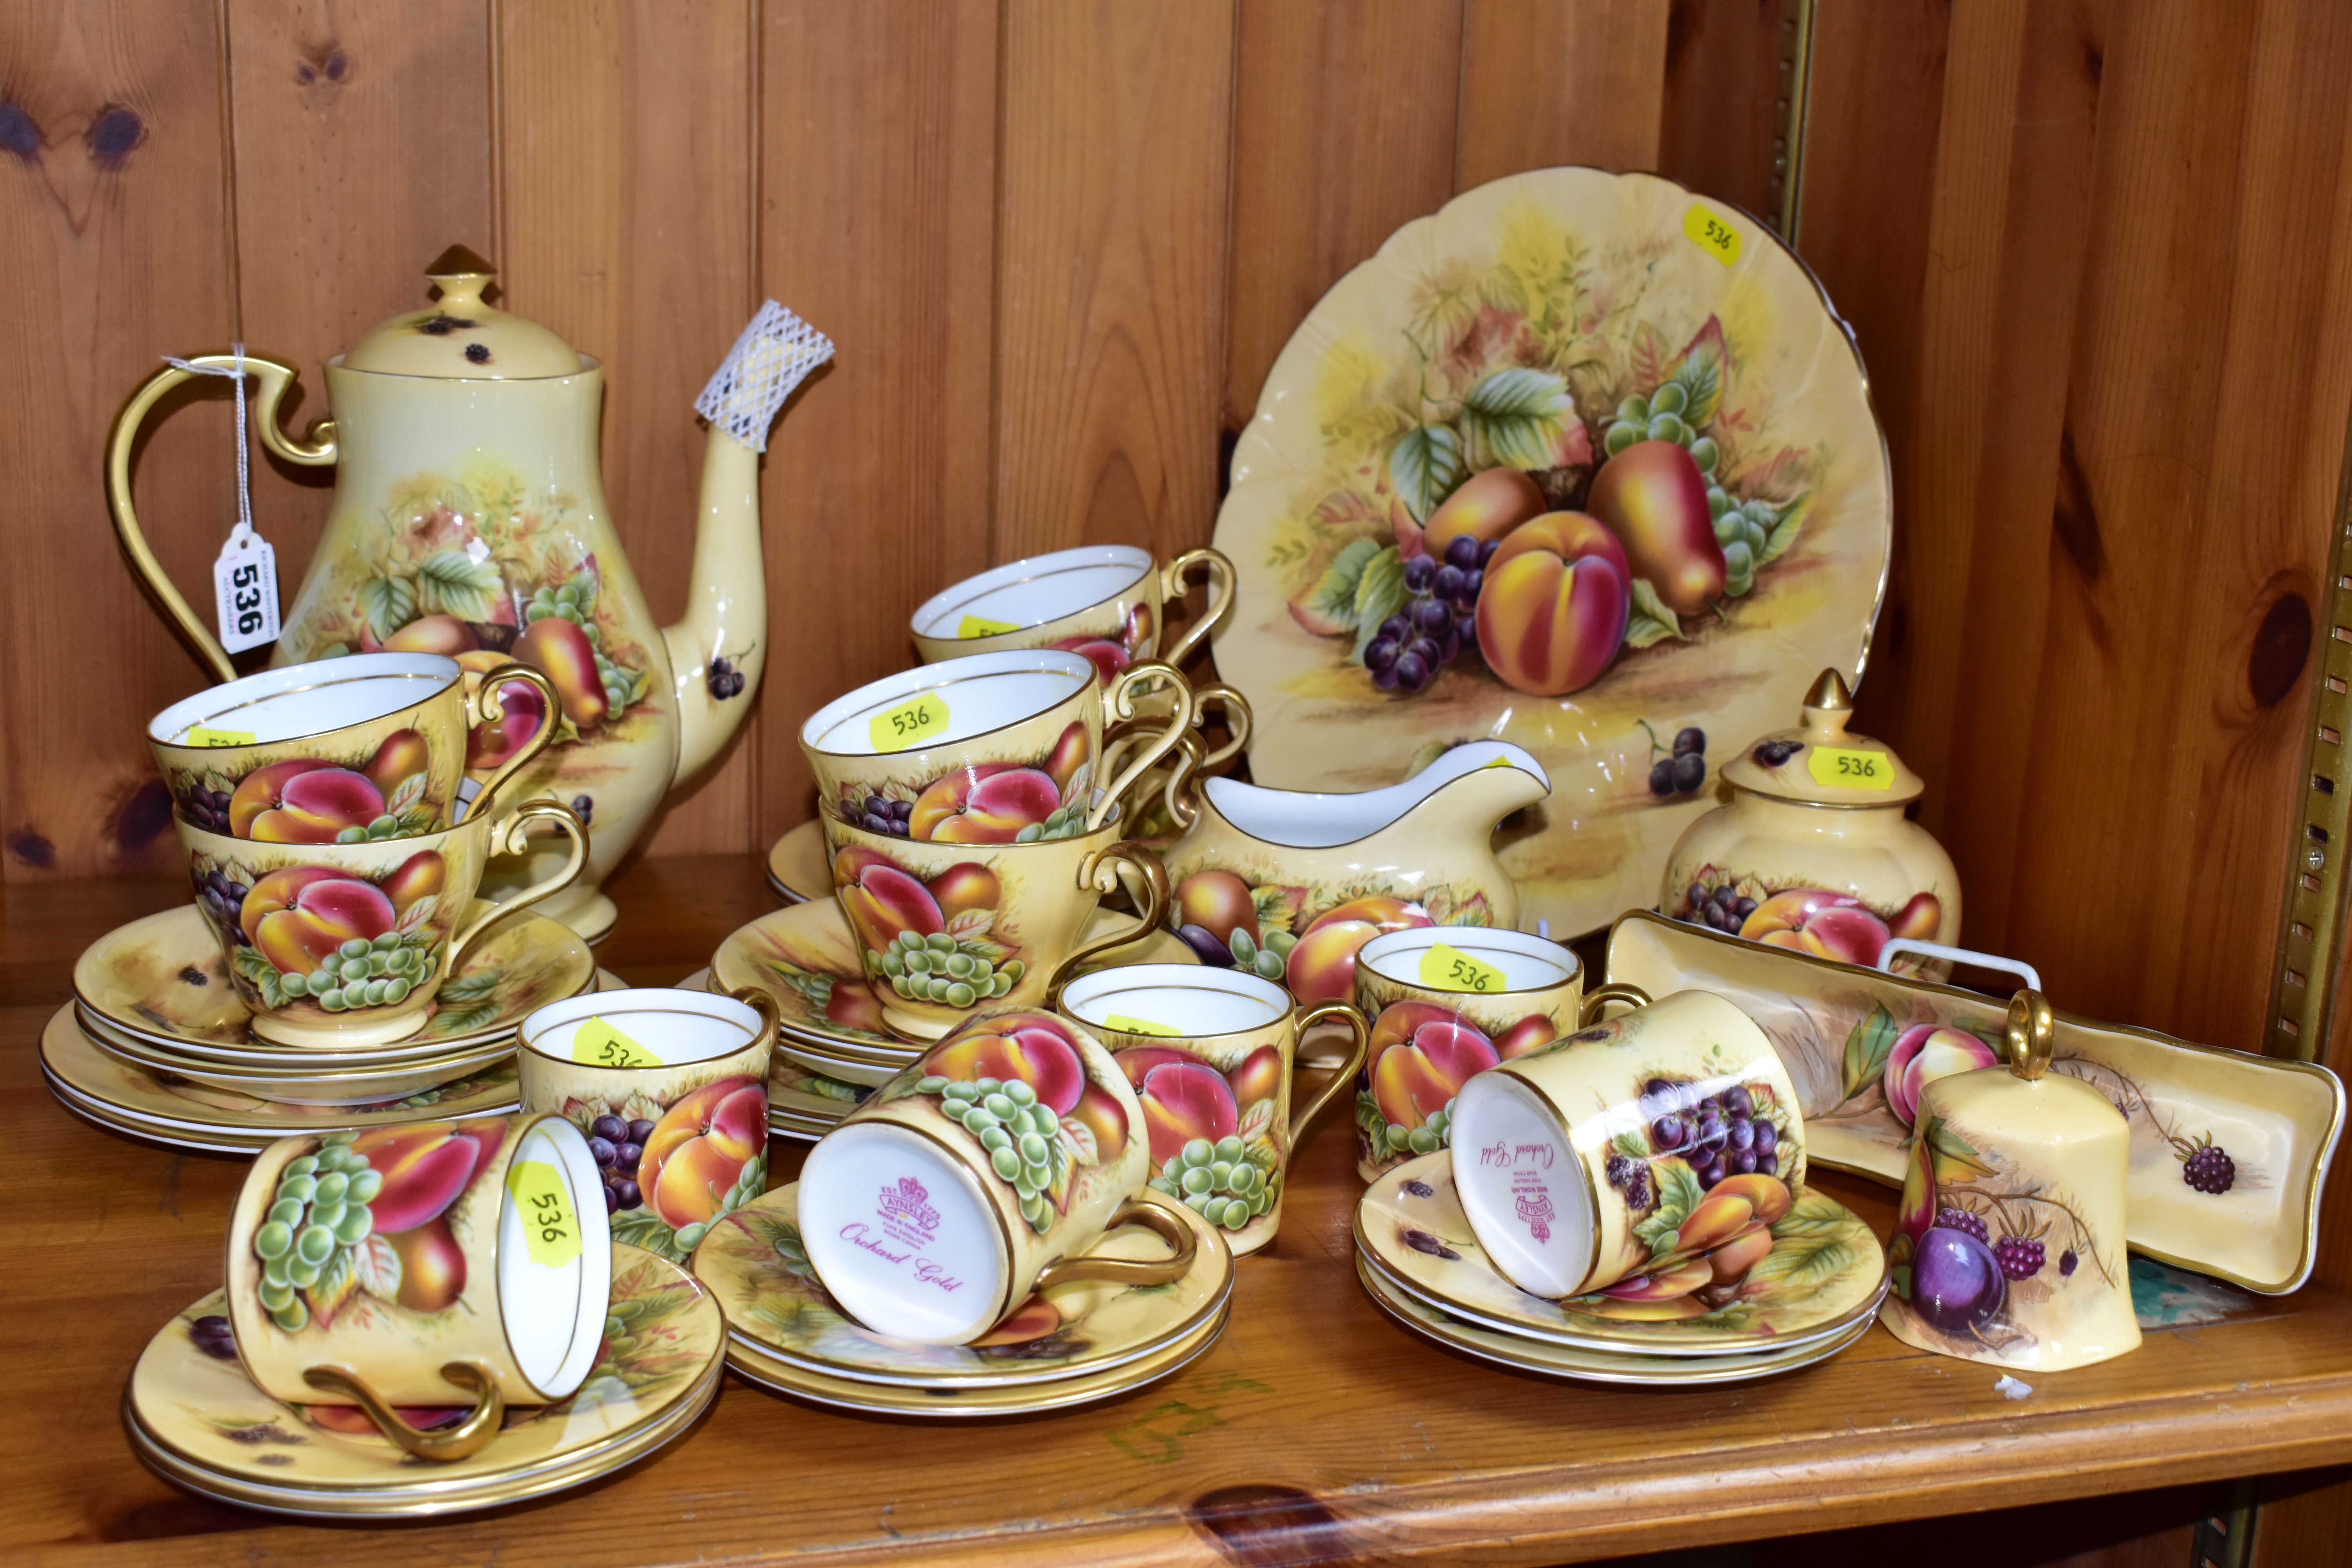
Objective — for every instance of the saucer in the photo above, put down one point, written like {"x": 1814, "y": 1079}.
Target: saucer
{"x": 199, "y": 1421}
{"x": 287, "y": 1083}
{"x": 797, "y": 867}
{"x": 162, "y": 980}
{"x": 776, "y": 1305}
{"x": 1825, "y": 1272}
{"x": 1550, "y": 1360}
{"x": 806, "y": 957}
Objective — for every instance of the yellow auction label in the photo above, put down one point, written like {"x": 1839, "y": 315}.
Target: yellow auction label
{"x": 549, "y": 1225}
{"x": 1712, "y": 235}
{"x": 599, "y": 1044}
{"x": 200, "y": 736}
{"x": 1127, "y": 1025}
{"x": 979, "y": 626}
{"x": 1850, "y": 769}
{"x": 1444, "y": 968}
{"x": 909, "y": 724}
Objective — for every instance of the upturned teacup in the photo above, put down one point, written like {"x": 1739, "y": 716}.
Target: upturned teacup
{"x": 423, "y": 1264}
{"x": 337, "y": 751}
{"x": 980, "y": 1174}
{"x": 1104, "y": 601}
{"x": 346, "y": 944}
{"x": 1211, "y": 1053}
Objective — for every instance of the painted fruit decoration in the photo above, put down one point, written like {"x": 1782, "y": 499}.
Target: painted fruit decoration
{"x": 1215, "y": 1132}
{"x": 1543, "y": 506}
{"x": 670, "y": 1170}
{"x": 1923, "y": 1053}
{"x": 1305, "y": 937}
{"x": 933, "y": 942}
{"x": 1017, "y": 1081}
{"x": 1823, "y": 921}
{"x": 1110, "y": 653}
{"x": 314, "y": 800}
{"x": 361, "y": 1222}
{"x": 986, "y": 803}
{"x": 342, "y": 941}
{"x": 1419, "y": 1056}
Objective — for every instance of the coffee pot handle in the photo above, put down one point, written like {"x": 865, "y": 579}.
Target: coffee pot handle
{"x": 318, "y": 451}
{"x": 443, "y": 1445}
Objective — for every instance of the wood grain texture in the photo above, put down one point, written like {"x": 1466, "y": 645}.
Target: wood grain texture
{"x": 1726, "y": 98}
{"x": 1315, "y": 1430}
{"x": 1546, "y": 83}
{"x": 1354, "y": 103}
{"x": 332, "y": 103}
{"x": 876, "y": 222}
{"x": 1111, "y": 254}
{"x": 627, "y": 139}
{"x": 114, "y": 221}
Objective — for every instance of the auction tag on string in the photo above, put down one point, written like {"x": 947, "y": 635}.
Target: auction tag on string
{"x": 550, "y": 1227}
{"x": 1444, "y": 968}
{"x": 909, "y": 724}
{"x": 599, "y": 1044}
{"x": 978, "y": 627}
{"x": 244, "y": 591}
{"x": 1712, "y": 235}
{"x": 200, "y": 736}
{"x": 1127, "y": 1025}
{"x": 1850, "y": 769}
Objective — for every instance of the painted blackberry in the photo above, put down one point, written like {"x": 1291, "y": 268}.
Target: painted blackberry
{"x": 1962, "y": 1220}
{"x": 2019, "y": 1258}
{"x": 1632, "y": 1177}
{"x": 2209, "y": 1170}
{"x": 2067, "y": 1262}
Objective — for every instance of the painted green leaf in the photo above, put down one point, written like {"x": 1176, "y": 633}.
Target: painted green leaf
{"x": 1701, "y": 376}
{"x": 1425, "y": 465}
{"x": 1517, "y": 415}
{"x": 1784, "y": 533}
{"x": 388, "y": 604}
{"x": 1813, "y": 1214}
{"x": 1380, "y": 594}
{"x": 454, "y": 583}
{"x": 1956, "y": 1158}
{"x": 1333, "y": 599}
{"x": 1867, "y": 1050}
{"x": 1678, "y": 1193}
{"x": 1650, "y": 621}
{"x": 1631, "y": 1144}
{"x": 1804, "y": 1264}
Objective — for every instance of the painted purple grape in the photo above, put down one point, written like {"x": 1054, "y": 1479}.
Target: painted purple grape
{"x": 1956, "y": 1281}
{"x": 611, "y": 1129}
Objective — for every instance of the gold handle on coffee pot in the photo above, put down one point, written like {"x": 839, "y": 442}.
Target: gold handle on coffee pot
{"x": 443, "y": 1444}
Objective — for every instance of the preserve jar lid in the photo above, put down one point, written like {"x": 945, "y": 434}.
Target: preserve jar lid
{"x": 1819, "y": 764}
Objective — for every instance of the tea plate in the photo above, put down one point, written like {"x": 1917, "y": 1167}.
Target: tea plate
{"x": 798, "y": 868}
{"x": 1824, "y": 1272}
{"x": 773, "y": 1299}
{"x": 806, "y": 957}
{"x": 205, "y": 1424}
{"x": 286, "y": 1084}
{"x": 162, "y": 980}
{"x": 1512, "y": 329}
{"x": 102, "y": 1118}
{"x": 1847, "y": 1036}
{"x": 1550, "y": 1360}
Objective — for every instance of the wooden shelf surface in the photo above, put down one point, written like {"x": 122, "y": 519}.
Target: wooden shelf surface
{"x": 1315, "y": 1429}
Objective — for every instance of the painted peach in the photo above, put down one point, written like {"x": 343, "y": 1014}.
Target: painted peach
{"x": 1553, "y": 608}
{"x": 1414, "y": 1081}
{"x": 434, "y": 634}
{"x": 1732, "y": 1259}
{"x": 402, "y": 755}
{"x": 1258, "y": 1076}
{"x": 881, "y": 901}
{"x": 854, "y": 1006}
{"x": 1821, "y": 922}
{"x": 1107, "y": 657}
{"x": 421, "y": 876}
{"x": 297, "y": 926}
{"x": 967, "y": 885}
{"x": 1035, "y": 1048}
{"x": 275, "y": 891}
{"x": 1183, "y": 1100}
{"x": 1218, "y": 902}
{"x": 1923, "y": 1053}
{"x": 1653, "y": 497}
{"x": 1032, "y": 1320}
{"x": 1717, "y": 1217}
{"x": 301, "y": 801}
{"x": 562, "y": 651}
{"x": 521, "y": 712}
{"x": 1485, "y": 507}
{"x": 985, "y": 805}
{"x": 1101, "y": 1113}
{"x": 1322, "y": 967}
{"x": 697, "y": 1150}
{"x": 1535, "y": 1029}
{"x": 1071, "y": 750}
{"x": 1768, "y": 1196}
{"x": 425, "y": 1166}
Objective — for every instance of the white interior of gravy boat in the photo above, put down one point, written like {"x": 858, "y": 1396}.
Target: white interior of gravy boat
{"x": 983, "y": 691}
{"x": 1032, "y": 591}
{"x": 1527, "y": 963}
{"x": 1300, "y": 820}
{"x": 1521, "y": 1186}
{"x": 673, "y": 1027}
{"x": 1184, "y": 998}
{"x": 554, "y": 1315}
{"x": 310, "y": 698}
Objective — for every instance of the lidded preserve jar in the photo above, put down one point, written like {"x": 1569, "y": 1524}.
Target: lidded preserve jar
{"x": 1813, "y": 852}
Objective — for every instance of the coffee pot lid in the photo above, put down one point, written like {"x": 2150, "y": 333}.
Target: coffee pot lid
{"x": 1819, "y": 764}
{"x": 457, "y": 337}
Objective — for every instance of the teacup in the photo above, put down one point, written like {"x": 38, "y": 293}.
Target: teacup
{"x": 999, "y": 748}
{"x": 1447, "y": 1002}
{"x": 1104, "y": 601}
{"x": 1631, "y": 1151}
{"x": 1211, "y": 1053}
{"x": 423, "y": 1264}
{"x": 346, "y": 944}
{"x": 980, "y": 1174}
{"x": 671, "y": 1088}
{"x": 338, "y": 751}
{"x": 944, "y": 929}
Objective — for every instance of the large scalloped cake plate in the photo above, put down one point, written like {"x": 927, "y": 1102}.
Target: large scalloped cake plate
{"x": 1509, "y": 330}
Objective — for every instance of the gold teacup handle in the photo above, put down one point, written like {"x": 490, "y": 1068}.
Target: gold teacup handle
{"x": 1345, "y": 1077}
{"x": 1218, "y": 568}
{"x": 1129, "y": 1270}
{"x": 1100, "y": 871}
{"x": 1238, "y": 719}
{"x": 486, "y": 704}
{"x": 1183, "y": 807}
{"x": 464, "y": 1440}
{"x": 1120, "y": 699}
{"x": 319, "y": 450}
{"x": 761, "y": 1003}
{"x": 512, "y": 837}
{"x": 1589, "y": 1012}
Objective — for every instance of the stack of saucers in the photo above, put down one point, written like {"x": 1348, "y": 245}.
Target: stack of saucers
{"x": 200, "y": 1421}
{"x": 157, "y": 1044}
{"x": 1071, "y": 1345}
{"x": 1417, "y": 1257}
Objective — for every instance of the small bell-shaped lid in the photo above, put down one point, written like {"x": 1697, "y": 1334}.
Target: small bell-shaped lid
{"x": 457, "y": 337}
{"x": 1818, "y": 764}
